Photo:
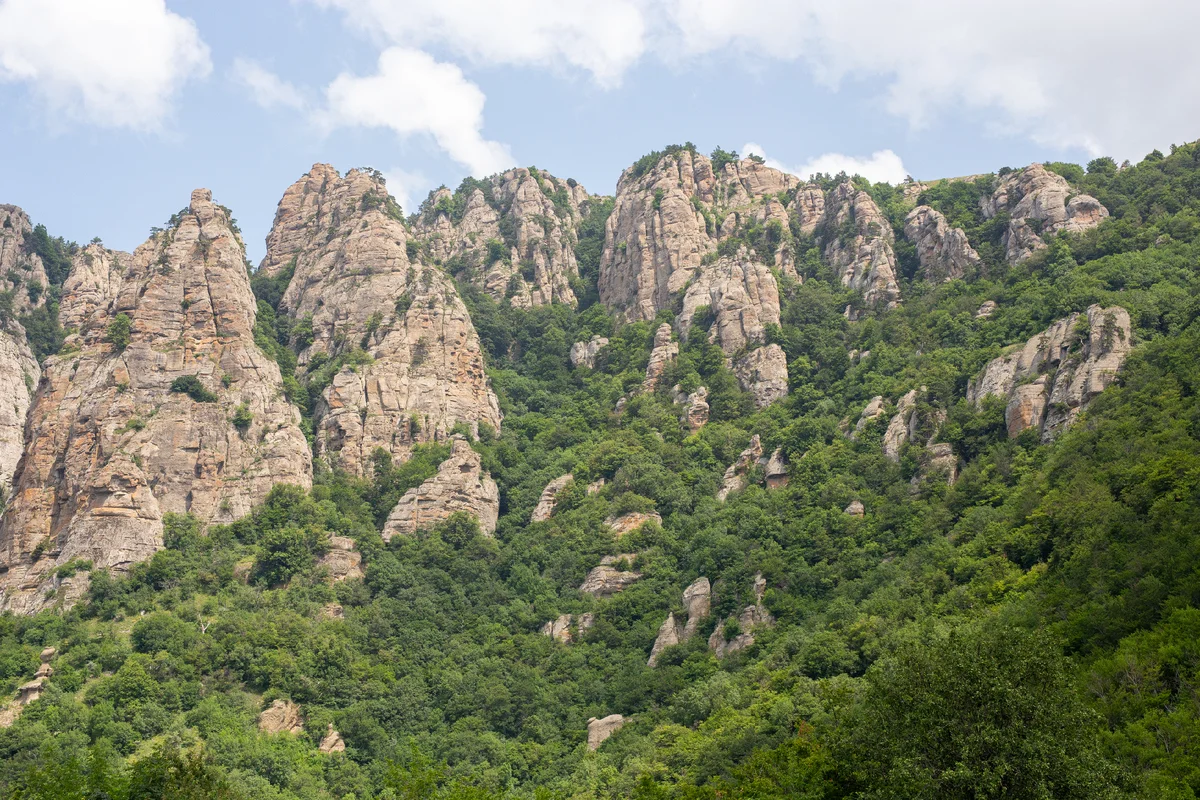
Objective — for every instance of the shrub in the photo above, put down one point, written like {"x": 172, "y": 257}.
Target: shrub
{"x": 193, "y": 388}
{"x": 119, "y": 332}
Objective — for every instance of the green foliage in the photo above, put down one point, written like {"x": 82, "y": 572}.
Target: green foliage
{"x": 651, "y": 159}
{"x": 119, "y": 332}
{"x": 722, "y": 157}
{"x": 192, "y": 386}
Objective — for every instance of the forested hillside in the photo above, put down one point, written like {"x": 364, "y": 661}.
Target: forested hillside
{"x": 915, "y": 588}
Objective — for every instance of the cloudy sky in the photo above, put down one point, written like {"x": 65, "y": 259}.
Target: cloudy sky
{"x": 111, "y": 111}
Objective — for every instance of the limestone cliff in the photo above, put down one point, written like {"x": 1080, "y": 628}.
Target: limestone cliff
{"x": 21, "y": 269}
{"x": 356, "y": 277}
{"x": 19, "y": 375}
{"x": 110, "y": 446}
{"x": 513, "y": 234}
{"x": 1050, "y": 379}
{"x": 1039, "y": 204}
{"x": 857, "y": 240}
{"x": 943, "y": 251}
{"x": 742, "y": 298}
{"x": 667, "y": 218}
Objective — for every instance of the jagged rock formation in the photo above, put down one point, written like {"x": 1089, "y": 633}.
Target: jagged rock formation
{"x": 21, "y": 269}
{"x": 873, "y": 411}
{"x": 282, "y": 717}
{"x": 809, "y": 208}
{"x": 28, "y": 692}
{"x": 751, "y": 617}
{"x": 668, "y": 218}
{"x": 601, "y": 729}
{"x": 513, "y": 235}
{"x": 737, "y": 474}
{"x": 19, "y": 375}
{"x": 606, "y": 580}
{"x": 763, "y": 373}
{"x": 1039, "y": 203}
{"x": 900, "y": 425}
{"x": 342, "y": 560}
{"x": 944, "y": 252}
{"x": 697, "y": 600}
{"x": 545, "y": 506}
{"x": 938, "y": 459}
{"x": 110, "y": 447}
{"x": 348, "y": 250}
{"x": 1053, "y": 377}
{"x": 775, "y": 472}
{"x": 584, "y": 353}
{"x": 695, "y": 408}
{"x": 858, "y": 244}
{"x": 628, "y": 523}
{"x": 856, "y": 509}
{"x": 459, "y": 485}
{"x": 560, "y": 628}
{"x": 742, "y": 297}
{"x": 332, "y": 743}
{"x": 986, "y": 309}
{"x": 665, "y": 352}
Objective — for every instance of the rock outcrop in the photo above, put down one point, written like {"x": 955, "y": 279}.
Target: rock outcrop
{"x": 741, "y": 296}
{"x": 775, "y": 472}
{"x": 1051, "y": 379}
{"x": 938, "y": 460}
{"x": 944, "y": 252}
{"x": 630, "y": 522}
{"x": 664, "y": 353}
{"x": 600, "y": 729}
{"x": 584, "y": 353}
{"x": 332, "y": 741}
{"x": 737, "y": 475}
{"x": 986, "y": 309}
{"x": 856, "y": 509}
{"x": 282, "y": 717}
{"x": 751, "y": 617}
{"x": 606, "y": 580}
{"x": 160, "y": 402}
{"x": 900, "y": 426}
{"x": 1039, "y": 204}
{"x": 342, "y": 560}
{"x": 545, "y": 506}
{"x": 695, "y": 409}
{"x": 671, "y": 215}
{"x": 858, "y": 244}
{"x": 358, "y": 277}
{"x": 19, "y": 376}
{"x": 22, "y": 272}
{"x": 567, "y": 628}
{"x": 28, "y": 692}
{"x": 697, "y": 601}
{"x": 459, "y": 485}
{"x": 873, "y": 411}
{"x": 513, "y": 234}
{"x": 763, "y": 373}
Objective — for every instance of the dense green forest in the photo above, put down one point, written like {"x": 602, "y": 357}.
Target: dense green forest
{"x": 1032, "y": 631}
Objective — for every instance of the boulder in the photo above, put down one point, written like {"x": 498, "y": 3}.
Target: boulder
{"x": 110, "y": 447}
{"x": 627, "y": 523}
{"x": 282, "y": 717}
{"x": 900, "y": 425}
{"x": 606, "y": 580}
{"x": 561, "y": 627}
{"x": 986, "y": 309}
{"x": 600, "y": 729}
{"x": 584, "y": 353}
{"x": 332, "y": 742}
{"x": 459, "y": 485}
{"x": 873, "y": 411}
{"x": 775, "y": 472}
{"x": 856, "y": 509}
{"x": 695, "y": 413}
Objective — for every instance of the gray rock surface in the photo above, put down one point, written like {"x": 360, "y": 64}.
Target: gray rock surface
{"x": 459, "y": 485}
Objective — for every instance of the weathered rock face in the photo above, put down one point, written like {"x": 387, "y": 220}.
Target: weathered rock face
{"x": 282, "y": 717}
{"x": 459, "y": 485}
{"x": 561, "y": 627}
{"x": 939, "y": 460}
{"x": 697, "y": 599}
{"x": 342, "y": 560}
{"x": 584, "y": 353}
{"x": 763, "y": 373}
{"x": 944, "y": 252}
{"x": 986, "y": 309}
{"x": 1053, "y": 377}
{"x": 531, "y": 220}
{"x": 664, "y": 353}
{"x": 347, "y": 248}
{"x": 775, "y": 472}
{"x": 742, "y": 297}
{"x": 737, "y": 474}
{"x": 809, "y": 207}
{"x": 900, "y": 426}
{"x": 627, "y": 523}
{"x": 856, "y": 509}
{"x": 606, "y": 580}
{"x": 695, "y": 410}
{"x": 21, "y": 269}
{"x": 667, "y": 219}
{"x": 751, "y": 617}
{"x": 19, "y": 375}
{"x": 332, "y": 742}
{"x": 601, "y": 729}
{"x": 110, "y": 448}
{"x": 545, "y": 506}
{"x": 28, "y": 692}
{"x": 858, "y": 244}
{"x": 873, "y": 411}
{"x": 1039, "y": 203}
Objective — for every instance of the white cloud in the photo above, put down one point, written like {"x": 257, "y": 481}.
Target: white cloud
{"x": 116, "y": 63}
{"x": 881, "y": 166}
{"x": 265, "y": 87}
{"x": 406, "y": 187}
{"x": 1101, "y": 74}
{"x": 601, "y": 37}
{"x": 411, "y": 94}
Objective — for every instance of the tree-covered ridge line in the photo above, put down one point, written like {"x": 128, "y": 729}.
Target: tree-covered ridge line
{"x": 1048, "y": 597}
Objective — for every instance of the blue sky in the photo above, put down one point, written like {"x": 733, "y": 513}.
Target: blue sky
{"x": 113, "y": 111}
